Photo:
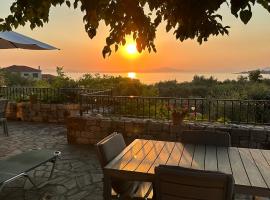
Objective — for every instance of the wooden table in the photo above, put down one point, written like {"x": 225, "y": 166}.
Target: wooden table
{"x": 250, "y": 167}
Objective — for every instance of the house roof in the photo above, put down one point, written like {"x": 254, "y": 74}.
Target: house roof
{"x": 20, "y": 68}
{"x": 48, "y": 76}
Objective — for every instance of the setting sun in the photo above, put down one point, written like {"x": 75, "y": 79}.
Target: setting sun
{"x": 131, "y": 48}
{"x": 132, "y": 75}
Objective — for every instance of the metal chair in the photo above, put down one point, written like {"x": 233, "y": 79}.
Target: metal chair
{"x": 3, "y": 119}
{"x": 178, "y": 183}
{"x": 107, "y": 150}
{"x": 217, "y": 138}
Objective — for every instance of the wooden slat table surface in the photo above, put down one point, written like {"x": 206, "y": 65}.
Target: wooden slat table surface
{"x": 249, "y": 167}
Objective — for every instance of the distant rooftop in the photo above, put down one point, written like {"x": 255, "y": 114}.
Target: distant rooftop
{"x": 48, "y": 76}
{"x": 20, "y": 68}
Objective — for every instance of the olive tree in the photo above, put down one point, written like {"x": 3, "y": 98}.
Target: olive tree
{"x": 189, "y": 19}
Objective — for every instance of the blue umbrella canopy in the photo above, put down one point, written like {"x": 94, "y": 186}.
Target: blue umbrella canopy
{"x": 13, "y": 40}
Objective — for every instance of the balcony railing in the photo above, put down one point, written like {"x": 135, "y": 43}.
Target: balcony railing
{"x": 199, "y": 109}
{"x": 49, "y": 95}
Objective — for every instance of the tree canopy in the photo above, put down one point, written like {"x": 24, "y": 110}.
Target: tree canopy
{"x": 189, "y": 19}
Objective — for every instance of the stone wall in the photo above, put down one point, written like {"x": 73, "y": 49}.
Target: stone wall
{"x": 89, "y": 130}
{"x": 40, "y": 112}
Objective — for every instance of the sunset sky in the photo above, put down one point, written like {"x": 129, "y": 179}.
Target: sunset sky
{"x": 247, "y": 47}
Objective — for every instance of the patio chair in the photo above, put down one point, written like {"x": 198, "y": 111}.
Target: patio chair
{"x": 107, "y": 150}
{"x": 217, "y": 138}
{"x": 20, "y": 165}
{"x": 3, "y": 119}
{"x": 178, "y": 183}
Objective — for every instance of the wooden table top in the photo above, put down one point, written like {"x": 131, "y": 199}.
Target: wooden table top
{"x": 249, "y": 167}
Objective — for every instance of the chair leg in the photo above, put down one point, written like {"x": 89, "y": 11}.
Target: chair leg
{"x": 5, "y": 128}
{"x": 107, "y": 187}
{"x": 30, "y": 179}
{"x": 52, "y": 170}
{"x": 1, "y": 187}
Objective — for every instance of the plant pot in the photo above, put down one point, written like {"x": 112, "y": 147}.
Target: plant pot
{"x": 33, "y": 99}
{"x": 177, "y": 118}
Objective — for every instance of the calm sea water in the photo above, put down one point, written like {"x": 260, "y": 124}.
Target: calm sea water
{"x": 150, "y": 78}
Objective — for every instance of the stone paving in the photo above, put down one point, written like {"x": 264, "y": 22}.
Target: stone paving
{"x": 77, "y": 175}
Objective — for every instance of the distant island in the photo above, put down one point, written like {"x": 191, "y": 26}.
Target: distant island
{"x": 265, "y": 70}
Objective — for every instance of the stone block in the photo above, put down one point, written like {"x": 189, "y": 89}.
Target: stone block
{"x": 82, "y": 141}
{"x": 176, "y": 129}
{"x": 155, "y": 126}
{"x": 36, "y": 107}
{"x": 53, "y": 107}
{"x": 60, "y": 106}
{"x": 105, "y": 124}
{"x": 76, "y": 123}
{"x": 166, "y": 127}
{"x": 45, "y": 106}
{"x": 85, "y": 134}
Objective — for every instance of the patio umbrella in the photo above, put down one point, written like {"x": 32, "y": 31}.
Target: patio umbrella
{"x": 12, "y": 40}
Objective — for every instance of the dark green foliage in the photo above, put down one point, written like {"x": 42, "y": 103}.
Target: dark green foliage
{"x": 255, "y": 75}
{"x": 211, "y": 88}
{"x": 62, "y": 81}
{"x": 192, "y": 19}
{"x": 121, "y": 86}
{"x": 14, "y": 80}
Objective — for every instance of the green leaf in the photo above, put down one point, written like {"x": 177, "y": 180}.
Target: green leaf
{"x": 68, "y": 3}
{"x": 245, "y": 16}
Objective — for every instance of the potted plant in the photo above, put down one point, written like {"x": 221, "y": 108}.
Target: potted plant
{"x": 33, "y": 98}
{"x": 178, "y": 113}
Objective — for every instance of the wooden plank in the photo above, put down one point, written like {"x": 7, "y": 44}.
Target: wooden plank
{"x": 262, "y": 164}
{"x": 150, "y": 158}
{"x": 238, "y": 170}
{"x": 176, "y": 154}
{"x": 224, "y": 164}
{"x": 115, "y": 160}
{"x": 211, "y": 158}
{"x": 136, "y": 160}
{"x": 187, "y": 156}
{"x": 163, "y": 156}
{"x": 130, "y": 153}
{"x": 199, "y": 157}
{"x": 253, "y": 172}
{"x": 266, "y": 154}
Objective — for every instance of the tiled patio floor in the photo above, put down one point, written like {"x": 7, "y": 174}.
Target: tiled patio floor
{"x": 77, "y": 174}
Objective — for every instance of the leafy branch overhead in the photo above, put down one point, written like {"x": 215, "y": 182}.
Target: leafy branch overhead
{"x": 189, "y": 19}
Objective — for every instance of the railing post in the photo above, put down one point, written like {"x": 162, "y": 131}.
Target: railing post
{"x": 81, "y": 104}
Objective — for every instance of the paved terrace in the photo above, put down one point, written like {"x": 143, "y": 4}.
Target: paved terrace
{"x": 77, "y": 175}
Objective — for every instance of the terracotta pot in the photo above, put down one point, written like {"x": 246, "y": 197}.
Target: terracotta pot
{"x": 177, "y": 118}
{"x": 33, "y": 99}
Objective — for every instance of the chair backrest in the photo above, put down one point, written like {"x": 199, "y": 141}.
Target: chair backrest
{"x": 217, "y": 138}
{"x": 3, "y": 107}
{"x": 107, "y": 150}
{"x": 109, "y": 147}
{"x": 178, "y": 183}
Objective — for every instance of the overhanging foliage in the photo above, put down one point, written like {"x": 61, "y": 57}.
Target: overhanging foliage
{"x": 189, "y": 19}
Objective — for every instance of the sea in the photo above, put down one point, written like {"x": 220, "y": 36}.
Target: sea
{"x": 151, "y": 78}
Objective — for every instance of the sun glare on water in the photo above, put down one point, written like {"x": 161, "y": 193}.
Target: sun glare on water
{"x": 132, "y": 75}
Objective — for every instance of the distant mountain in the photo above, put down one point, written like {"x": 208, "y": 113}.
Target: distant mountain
{"x": 265, "y": 70}
{"x": 162, "y": 70}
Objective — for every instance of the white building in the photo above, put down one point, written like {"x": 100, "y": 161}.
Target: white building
{"x": 25, "y": 72}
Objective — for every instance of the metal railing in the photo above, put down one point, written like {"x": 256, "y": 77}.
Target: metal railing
{"x": 49, "y": 95}
{"x": 199, "y": 109}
